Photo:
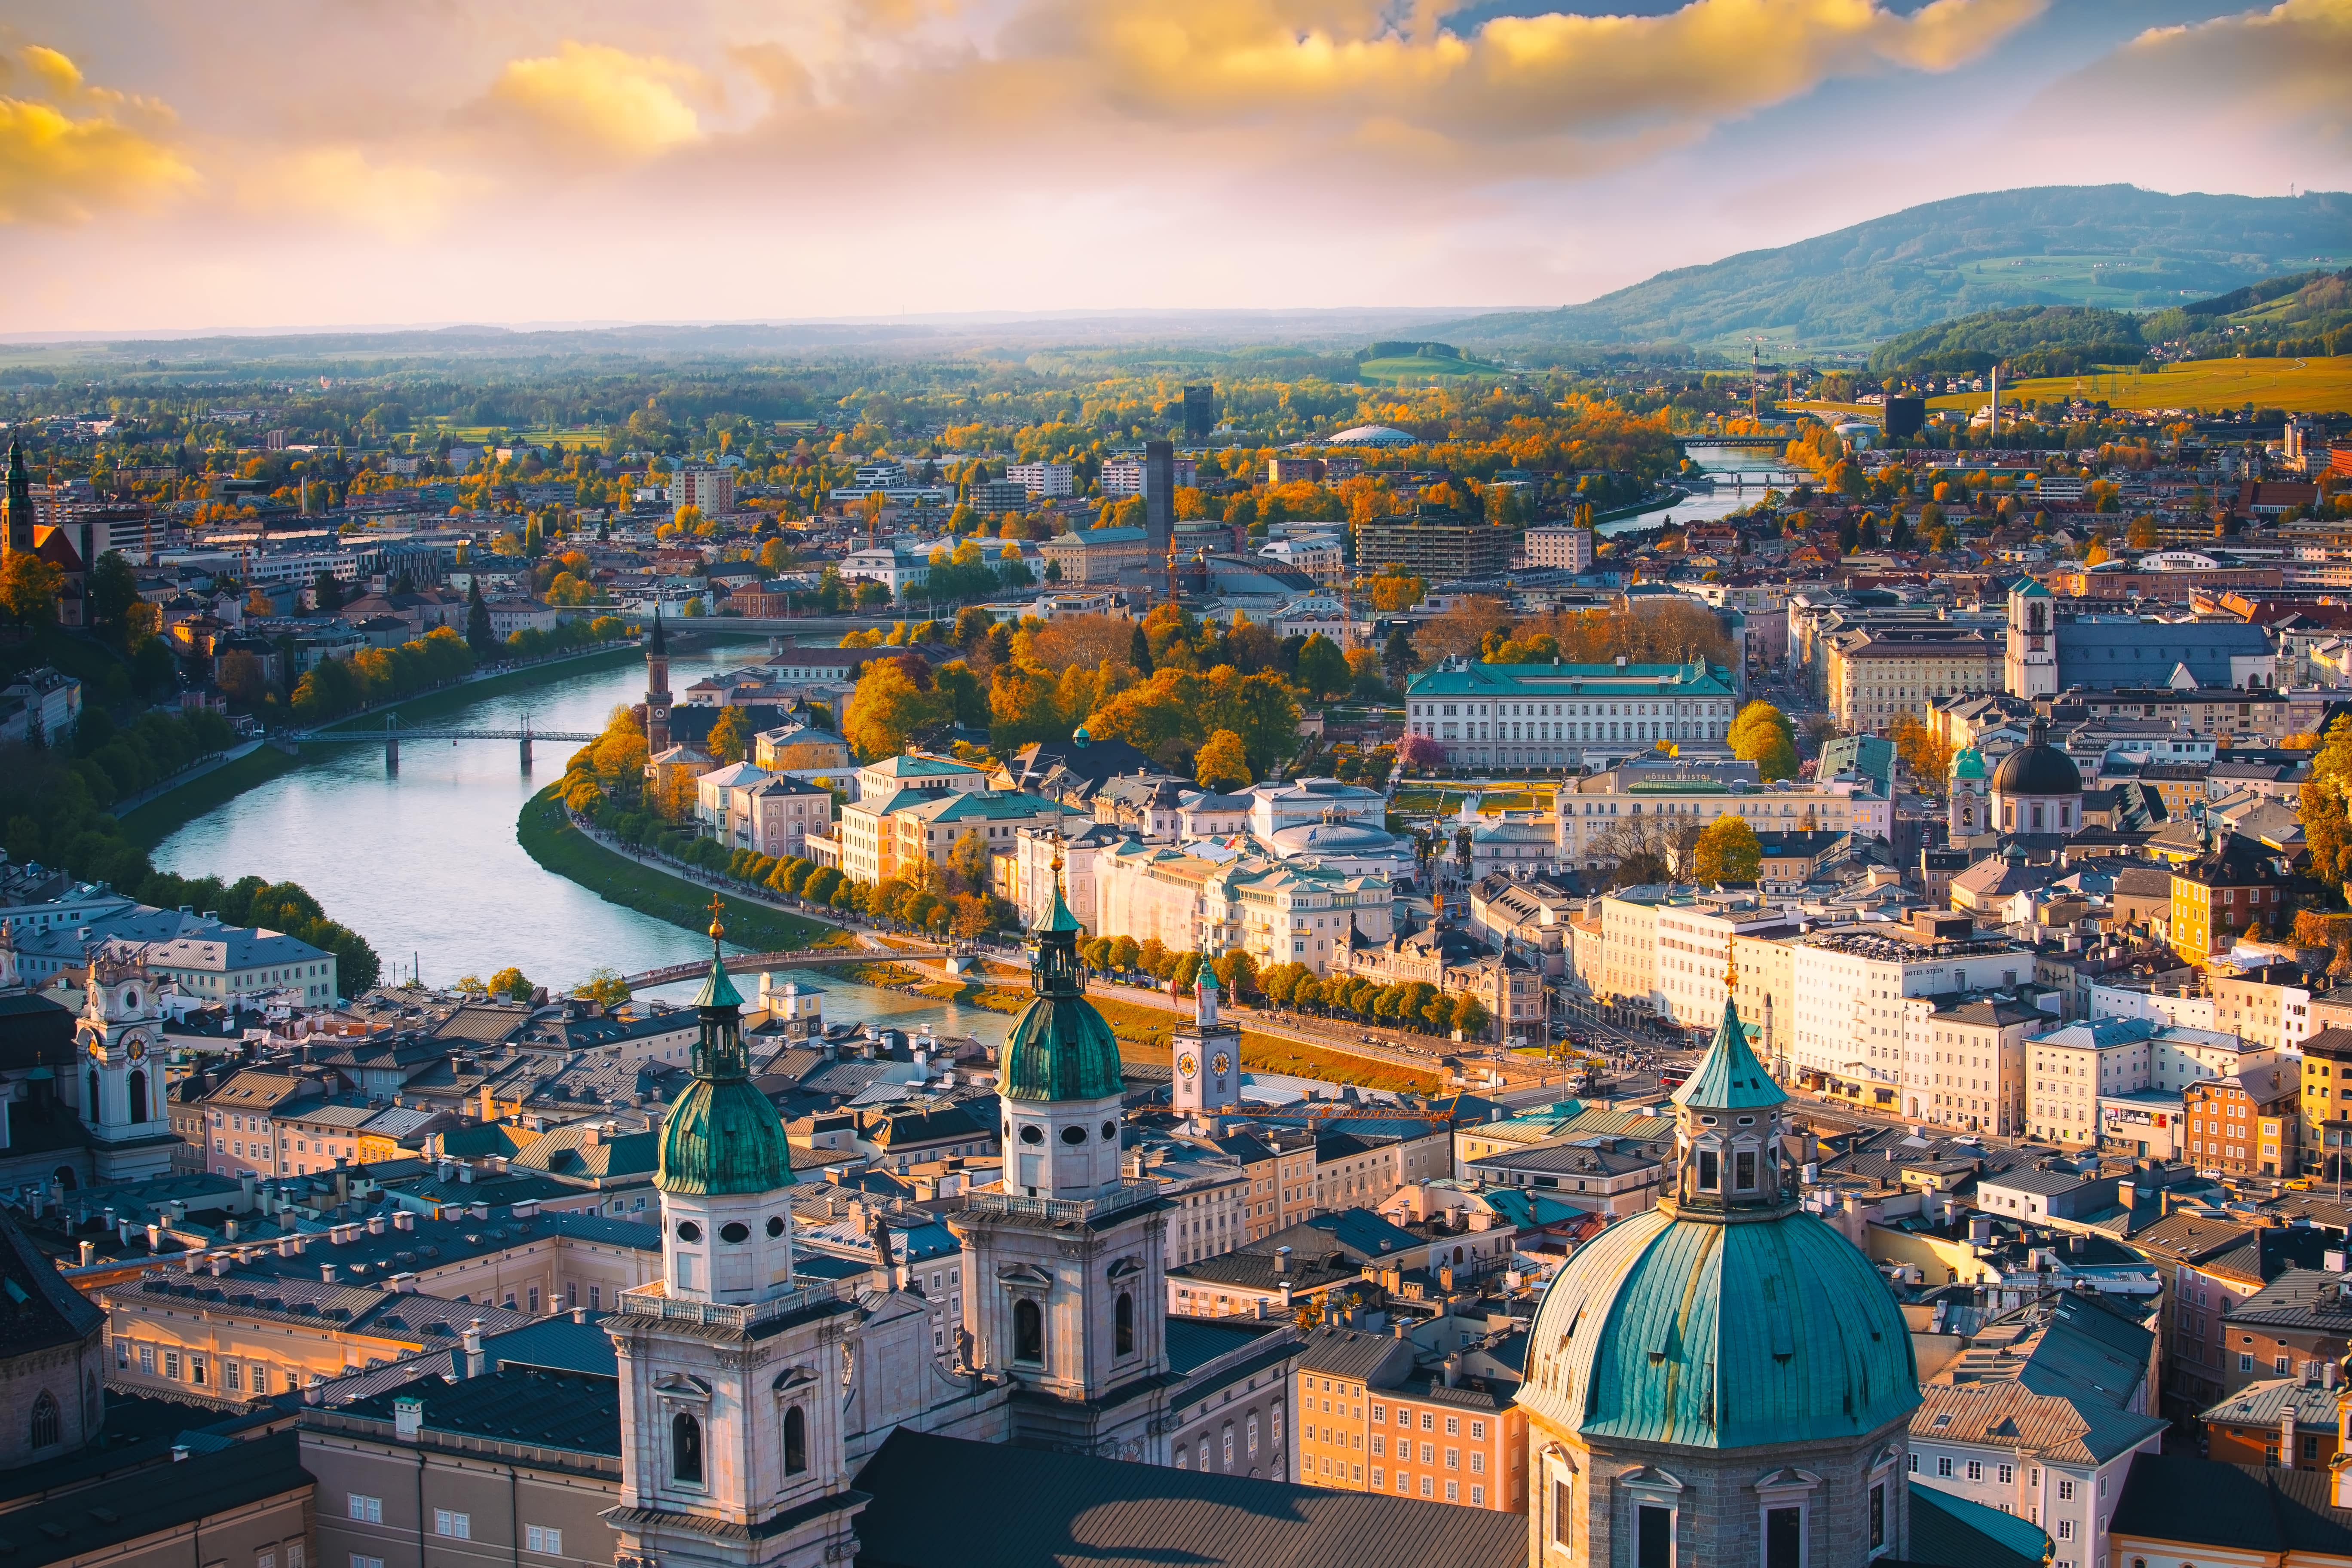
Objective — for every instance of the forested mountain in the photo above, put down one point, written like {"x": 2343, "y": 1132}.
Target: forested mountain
{"x": 2115, "y": 247}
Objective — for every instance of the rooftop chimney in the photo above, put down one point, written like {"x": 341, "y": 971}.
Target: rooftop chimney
{"x": 407, "y": 1418}
{"x": 1282, "y": 1261}
{"x": 474, "y": 1358}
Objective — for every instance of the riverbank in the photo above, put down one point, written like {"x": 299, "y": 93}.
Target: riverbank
{"x": 1146, "y": 1037}
{"x": 153, "y": 821}
{"x": 545, "y": 832}
{"x": 476, "y": 688}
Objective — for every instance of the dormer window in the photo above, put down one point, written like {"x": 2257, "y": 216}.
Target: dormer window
{"x": 1710, "y": 1171}
{"x": 1743, "y": 1170}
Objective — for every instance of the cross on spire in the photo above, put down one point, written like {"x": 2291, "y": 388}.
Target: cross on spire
{"x": 718, "y": 906}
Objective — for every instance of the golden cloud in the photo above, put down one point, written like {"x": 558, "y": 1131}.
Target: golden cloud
{"x": 68, "y": 151}
{"x": 590, "y": 102}
{"x": 1288, "y": 82}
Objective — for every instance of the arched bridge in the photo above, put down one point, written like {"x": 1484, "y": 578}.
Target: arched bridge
{"x": 765, "y": 962}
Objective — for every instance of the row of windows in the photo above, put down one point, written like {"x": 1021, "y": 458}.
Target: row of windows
{"x": 449, "y": 1522}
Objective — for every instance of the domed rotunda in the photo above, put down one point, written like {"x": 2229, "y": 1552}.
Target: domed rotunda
{"x": 2037, "y": 788}
{"x": 1724, "y": 1379}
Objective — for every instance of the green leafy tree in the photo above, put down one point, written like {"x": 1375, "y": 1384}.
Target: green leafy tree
{"x": 113, "y": 590}
{"x": 1322, "y": 669}
{"x": 29, "y": 590}
{"x": 510, "y": 983}
{"x": 2325, "y": 829}
{"x": 477, "y": 621}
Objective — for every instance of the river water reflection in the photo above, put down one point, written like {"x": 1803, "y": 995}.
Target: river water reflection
{"x": 424, "y": 862}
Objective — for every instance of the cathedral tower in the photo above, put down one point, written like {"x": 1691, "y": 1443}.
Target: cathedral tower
{"x": 2029, "y": 665}
{"x": 123, "y": 1070}
{"x": 1064, "y": 1263}
{"x": 731, "y": 1369}
{"x": 657, "y": 690}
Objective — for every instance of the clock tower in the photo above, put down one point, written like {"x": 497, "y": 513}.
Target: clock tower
{"x": 1208, "y": 1056}
{"x": 121, "y": 1078}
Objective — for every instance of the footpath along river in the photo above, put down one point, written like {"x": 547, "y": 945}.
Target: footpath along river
{"x": 424, "y": 861}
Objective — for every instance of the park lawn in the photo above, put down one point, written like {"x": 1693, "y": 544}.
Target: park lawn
{"x": 1414, "y": 366}
{"x": 2321, "y": 385}
{"x": 547, "y": 835}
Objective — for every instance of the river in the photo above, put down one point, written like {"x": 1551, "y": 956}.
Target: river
{"x": 1742, "y": 473}
{"x": 425, "y": 864}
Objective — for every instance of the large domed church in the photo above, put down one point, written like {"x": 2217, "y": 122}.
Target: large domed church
{"x": 1724, "y": 1379}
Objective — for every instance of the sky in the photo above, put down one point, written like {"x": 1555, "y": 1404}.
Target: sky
{"x": 313, "y": 162}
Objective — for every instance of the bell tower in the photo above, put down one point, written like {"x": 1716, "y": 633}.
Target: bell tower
{"x": 1208, "y": 1056}
{"x": 122, "y": 1086}
{"x": 2030, "y": 665}
{"x": 1066, "y": 1278}
{"x": 731, "y": 1367}
{"x": 17, "y": 522}
{"x": 1971, "y": 810}
{"x": 657, "y": 688}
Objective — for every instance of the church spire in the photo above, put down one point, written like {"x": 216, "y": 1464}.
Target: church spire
{"x": 1729, "y": 1128}
{"x": 18, "y": 520}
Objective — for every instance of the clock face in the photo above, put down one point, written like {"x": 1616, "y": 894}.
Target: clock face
{"x": 1188, "y": 1063}
{"x": 97, "y": 1052}
{"x": 138, "y": 1050}
{"x": 1224, "y": 1064}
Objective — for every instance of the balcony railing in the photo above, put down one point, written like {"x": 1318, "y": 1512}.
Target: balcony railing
{"x": 655, "y": 1301}
{"x": 1063, "y": 1211}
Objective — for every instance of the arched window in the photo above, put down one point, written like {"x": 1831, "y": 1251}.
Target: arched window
{"x": 90, "y": 1106}
{"x": 46, "y": 1422}
{"x": 1123, "y": 1323}
{"x": 93, "y": 1404}
{"x": 137, "y": 1083}
{"x": 1028, "y": 1331}
{"x": 795, "y": 1441}
{"x": 686, "y": 1449}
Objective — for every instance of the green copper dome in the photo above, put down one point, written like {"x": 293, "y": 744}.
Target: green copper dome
{"x": 723, "y": 1135}
{"x": 1727, "y": 1317}
{"x": 1710, "y": 1333}
{"x": 1968, "y": 764}
{"x": 1060, "y": 1049}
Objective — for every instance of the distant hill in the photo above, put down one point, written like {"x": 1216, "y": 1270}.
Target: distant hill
{"x": 2034, "y": 340}
{"x": 2113, "y": 246}
{"x": 2301, "y": 314}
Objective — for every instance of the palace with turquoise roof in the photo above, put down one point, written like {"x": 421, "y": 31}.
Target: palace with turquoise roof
{"x": 1567, "y": 715}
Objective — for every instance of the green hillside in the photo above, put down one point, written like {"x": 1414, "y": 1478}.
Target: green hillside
{"x": 2034, "y": 340}
{"x": 2113, "y": 247}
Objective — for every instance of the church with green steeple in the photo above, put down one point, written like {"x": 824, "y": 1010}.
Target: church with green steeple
{"x": 1065, "y": 1279}
{"x": 1726, "y": 1378}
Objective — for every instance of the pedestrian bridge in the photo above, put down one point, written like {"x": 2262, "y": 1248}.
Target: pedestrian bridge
{"x": 394, "y": 731}
{"x": 766, "y": 963}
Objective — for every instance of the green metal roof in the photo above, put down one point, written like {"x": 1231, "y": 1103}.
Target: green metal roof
{"x": 1060, "y": 1047}
{"x": 1968, "y": 764}
{"x": 1720, "y": 1334}
{"x": 722, "y": 1135}
{"x": 718, "y": 991}
{"x": 1729, "y": 1077}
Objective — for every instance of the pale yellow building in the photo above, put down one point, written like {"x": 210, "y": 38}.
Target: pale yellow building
{"x": 1873, "y": 677}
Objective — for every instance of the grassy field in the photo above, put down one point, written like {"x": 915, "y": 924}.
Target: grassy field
{"x": 547, "y": 836}
{"x": 1145, "y": 1033}
{"x": 1421, "y": 367}
{"x": 2299, "y": 387}
{"x": 1423, "y": 801}
{"x": 150, "y": 824}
